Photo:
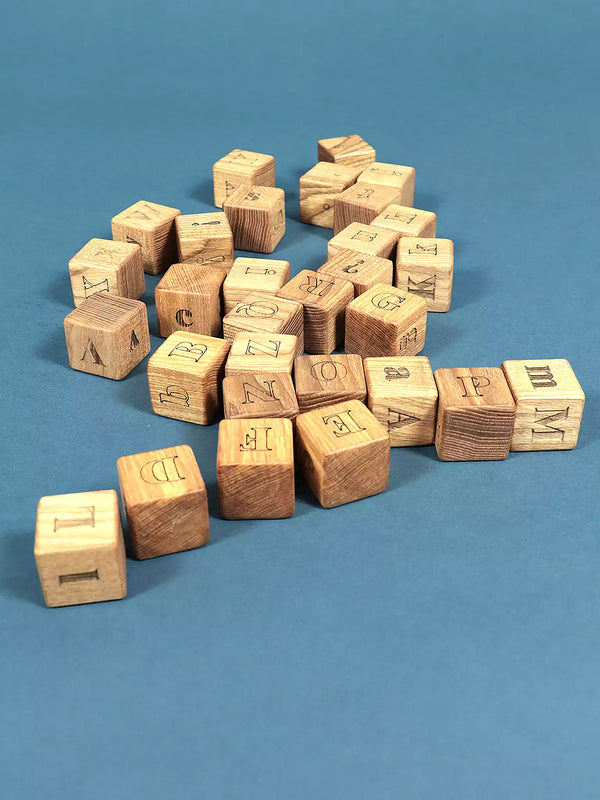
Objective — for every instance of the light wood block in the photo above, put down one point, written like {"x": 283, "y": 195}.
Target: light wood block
{"x": 103, "y": 265}
{"x": 327, "y": 380}
{"x": 188, "y": 298}
{"x": 253, "y": 275}
{"x": 344, "y": 453}
{"x": 318, "y": 189}
{"x": 265, "y": 313}
{"x": 165, "y": 501}
{"x": 79, "y": 549}
{"x": 406, "y": 221}
{"x": 241, "y": 166}
{"x": 363, "y": 239}
{"x": 362, "y": 270}
{"x": 549, "y": 402}
{"x": 362, "y": 202}
{"x": 152, "y": 226}
{"x": 205, "y": 239}
{"x": 184, "y": 377}
{"x": 255, "y": 468}
{"x": 425, "y": 267}
{"x": 253, "y": 353}
{"x": 264, "y": 394}
{"x": 346, "y": 150}
{"x": 476, "y": 414}
{"x": 107, "y": 335}
{"x": 396, "y": 175}
{"x": 257, "y": 217}
{"x": 403, "y": 396}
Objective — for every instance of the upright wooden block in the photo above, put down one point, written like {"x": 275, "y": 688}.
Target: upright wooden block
{"x": 346, "y": 150}
{"x": 549, "y": 402}
{"x": 253, "y": 353}
{"x": 241, "y": 166}
{"x": 327, "y": 380}
{"x": 476, "y": 414}
{"x": 188, "y": 297}
{"x": 184, "y": 377}
{"x": 344, "y": 452}
{"x": 363, "y": 239}
{"x": 362, "y": 270}
{"x": 395, "y": 175}
{"x": 255, "y": 468}
{"x": 79, "y": 548}
{"x": 265, "y": 313}
{"x": 383, "y": 322}
{"x": 425, "y": 267}
{"x": 152, "y": 226}
{"x": 318, "y": 189}
{"x": 165, "y": 501}
{"x": 107, "y": 335}
{"x": 362, "y": 202}
{"x": 403, "y": 396}
{"x": 253, "y": 275}
{"x": 405, "y": 221}
{"x": 263, "y": 394}
{"x": 205, "y": 239}
{"x": 103, "y": 265}
{"x": 324, "y": 299}
{"x": 257, "y": 217}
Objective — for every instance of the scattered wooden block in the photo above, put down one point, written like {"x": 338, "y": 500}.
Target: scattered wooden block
{"x": 327, "y": 380}
{"x": 362, "y": 202}
{"x": 152, "y": 226}
{"x": 255, "y": 468}
{"x": 103, "y": 265}
{"x": 425, "y": 267}
{"x": 363, "y": 239}
{"x": 265, "y": 313}
{"x": 79, "y": 548}
{"x": 403, "y": 396}
{"x": 318, "y": 189}
{"x": 257, "y": 217}
{"x": 264, "y": 394}
{"x": 344, "y": 453}
{"x": 402, "y": 178}
{"x": 188, "y": 297}
{"x": 253, "y": 353}
{"x": 405, "y": 221}
{"x": 476, "y": 414}
{"x": 253, "y": 275}
{"x": 383, "y": 322}
{"x": 362, "y": 270}
{"x": 346, "y": 150}
{"x": 184, "y": 377}
{"x": 241, "y": 166}
{"x": 549, "y": 402}
{"x": 205, "y": 239}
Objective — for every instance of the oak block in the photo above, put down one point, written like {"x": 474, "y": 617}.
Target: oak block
{"x": 425, "y": 267}
{"x": 205, "y": 239}
{"x": 103, "y": 265}
{"x": 253, "y": 275}
{"x": 266, "y": 313}
{"x": 362, "y": 202}
{"x": 263, "y": 394}
{"x": 152, "y": 226}
{"x": 396, "y": 175}
{"x": 318, "y": 189}
{"x": 261, "y": 352}
{"x": 257, "y": 217}
{"x": 326, "y": 380}
{"x": 363, "y": 239}
{"x": 188, "y": 297}
{"x": 241, "y": 166}
{"x": 346, "y": 150}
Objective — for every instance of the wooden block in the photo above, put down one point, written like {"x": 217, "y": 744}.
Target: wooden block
{"x": 165, "y": 501}
{"x": 257, "y": 217}
{"x": 549, "y": 402}
{"x": 103, "y": 265}
{"x": 152, "y": 226}
{"x": 403, "y": 396}
{"x": 318, "y": 189}
{"x": 362, "y": 202}
{"x": 383, "y": 322}
{"x": 255, "y": 468}
{"x": 400, "y": 177}
{"x": 184, "y": 377}
{"x": 253, "y": 353}
{"x": 264, "y": 394}
{"x": 344, "y": 453}
{"x": 324, "y": 299}
{"x": 425, "y": 267}
{"x": 362, "y": 270}
{"x": 188, "y": 297}
{"x": 205, "y": 239}
{"x": 363, "y": 239}
{"x": 79, "y": 548}
{"x": 406, "y": 221}
{"x": 326, "y": 380}
{"x": 253, "y": 274}
{"x": 476, "y": 414}
{"x": 346, "y": 150}
{"x": 107, "y": 335}
{"x": 241, "y": 166}
{"x": 265, "y": 313}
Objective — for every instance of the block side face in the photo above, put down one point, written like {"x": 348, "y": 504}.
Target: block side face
{"x": 152, "y": 226}
{"x": 474, "y": 434}
{"x": 425, "y": 267}
{"x": 186, "y": 396}
{"x": 169, "y": 525}
{"x": 546, "y": 424}
{"x": 241, "y": 167}
{"x": 90, "y": 575}
{"x": 256, "y": 491}
{"x": 356, "y": 473}
{"x": 410, "y": 419}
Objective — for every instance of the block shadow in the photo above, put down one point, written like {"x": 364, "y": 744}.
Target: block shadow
{"x": 18, "y": 574}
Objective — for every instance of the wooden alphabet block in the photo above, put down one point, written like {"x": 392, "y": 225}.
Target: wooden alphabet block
{"x": 324, "y": 299}
{"x": 188, "y": 297}
{"x": 253, "y": 353}
{"x": 346, "y": 150}
{"x": 265, "y": 313}
{"x": 257, "y": 217}
{"x": 318, "y": 189}
{"x": 264, "y": 394}
{"x": 403, "y": 396}
{"x": 362, "y": 270}
{"x": 363, "y": 239}
{"x": 184, "y": 377}
{"x": 165, "y": 501}
{"x": 241, "y": 166}
{"x": 79, "y": 548}
{"x": 476, "y": 414}
{"x": 400, "y": 177}
{"x": 152, "y": 226}
{"x": 425, "y": 267}
{"x": 107, "y": 335}
{"x": 344, "y": 453}
{"x": 103, "y": 265}
{"x": 255, "y": 468}
{"x": 549, "y": 402}
{"x": 327, "y": 380}
{"x": 362, "y": 202}
{"x": 205, "y": 239}
{"x": 406, "y": 221}
{"x": 383, "y": 322}
{"x": 253, "y": 275}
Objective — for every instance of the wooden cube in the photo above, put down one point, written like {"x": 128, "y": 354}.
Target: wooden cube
{"x": 107, "y": 335}
{"x": 326, "y": 380}
{"x": 253, "y": 353}
{"x": 79, "y": 548}
{"x": 383, "y": 322}
{"x": 264, "y": 394}
{"x": 152, "y": 226}
{"x": 362, "y": 270}
{"x": 265, "y": 313}
{"x": 406, "y": 221}
{"x": 363, "y": 239}
{"x": 476, "y": 414}
{"x": 362, "y": 202}
{"x": 403, "y": 396}
{"x": 257, "y": 217}
{"x": 549, "y": 402}
{"x": 103, "y": 265}
{"x": 188, "y": 298}
{"x": 253, "y": 275}
{"x": 241, "y": 166}
{"x": 205, "y": 239}
{"x": 425, "y": 267}
{"x": 400, "y": 177}
{"x": 318, "y": 189}
{"x": 344, "y": 452}
{"x": 255, "y": 468}
{"x": 346, "y": 150}
{"x": 184, "y": 377}
{"x": 324, "y": 299}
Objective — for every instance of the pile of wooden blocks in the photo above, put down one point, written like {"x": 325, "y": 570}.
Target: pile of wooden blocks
{"x": 244, "y": 337}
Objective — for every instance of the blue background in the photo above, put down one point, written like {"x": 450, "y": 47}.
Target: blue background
{"x": 438, "y": 641}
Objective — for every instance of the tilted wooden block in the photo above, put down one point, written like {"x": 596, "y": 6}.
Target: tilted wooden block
{"x": 549, "y": 402}
{"x": 363, "y": 239}
{"x": 261, "y": 352}
{"x": 425, "y": 267}
{"x": 263, "y": 394}
{"x": 318, "y": 189}
{"x": 344, "y": 452}
{"x": 326, "y": 380}
{"x": 403, "y": 396}
{"x": 405, "y": 221}
{"x": 362, "y": 270}
{"x": 205, "y": 239}
{"x": 79, "y": 548}
{"x": 383, "y": 322}
{"x": 402, "y": 178}
{"x": 103, "y": 265}
{"x": 241, "y": 166}
{"x": 184, "y": 377}
{"x": 188, "y": 297}
{"x": 165, "y": 501}
{"x": 152, "y": 226}
{"x": 257, "y": 217}
{"x": 346, "y": 150}
{"x": 255, "y": 468}
{"x": 476, "y": 414}
{"x": 362, "y": 203}
{"x": 265, "y": 313}
{"x": 253, "y": 275}
{"x": 107, "y": 335}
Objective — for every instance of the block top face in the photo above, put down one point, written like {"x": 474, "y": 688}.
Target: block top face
{"x": 340, "y": 426}
{"x": 404, "y": 220}
{"x": 250, "y": 442}
{"x": 317, "y": 289}
{"x": 214, "y": 223}
{"x": 262, "y": 198}
{"x": 146, "y": 216}
{"x": 245, "y": 161}
{"x": 370, "y": 195}
{"x": 543, "y": 379}
{"x": 420, "y": 251}
{"x": 329, "y": 375}
{"x": 104, "y": 253}
{"x": 67, "y": 522}
{"x": 483, "y": 387}
{"x": 330, "y": 174}
{"x": 192, "y": 279}
{"x": 386, "y": 174}
{"x": 189, "y": 353}
{"x": 359, "y": 267}
{"x": 346, "y": 149}
{"x": 263, "y": 310}
{"x": 159, "y": 475}
{"x": 387, "y": 304}
{"x": 269, "y": 271}
{"x": 106, "y": 312}
{"x": 365, "y": 238}
{"x": 400, "y": 376}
